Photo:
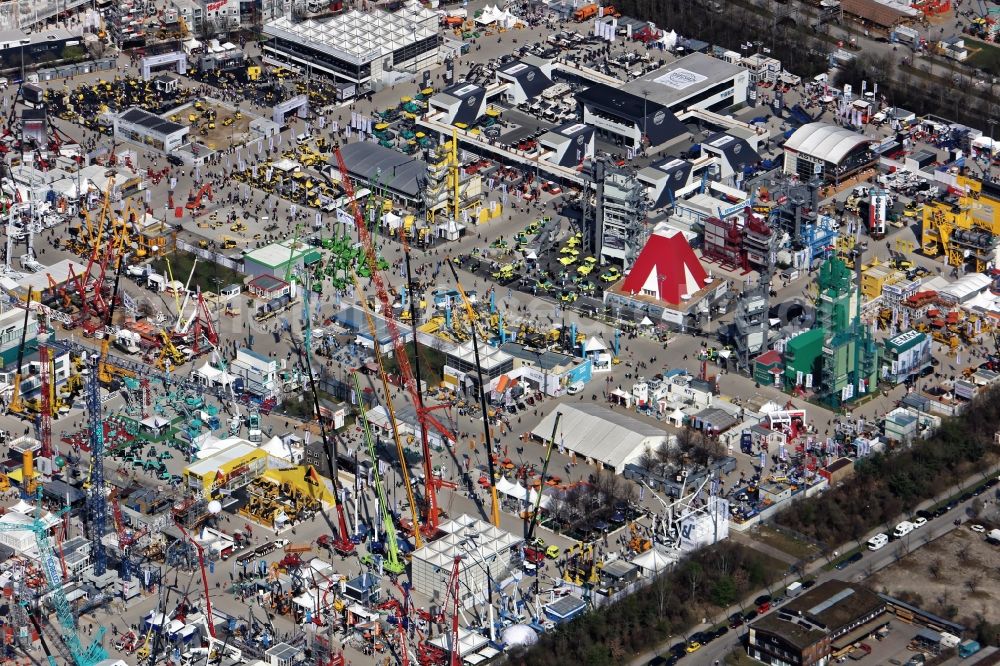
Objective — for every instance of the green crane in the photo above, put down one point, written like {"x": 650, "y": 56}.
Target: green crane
{"x": 392, "y": 562}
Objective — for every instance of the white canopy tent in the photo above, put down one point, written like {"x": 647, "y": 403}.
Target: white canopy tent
{"x": 654, "y": 562}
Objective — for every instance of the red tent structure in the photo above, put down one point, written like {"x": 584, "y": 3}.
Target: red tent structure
{"x": 666, "y": 269}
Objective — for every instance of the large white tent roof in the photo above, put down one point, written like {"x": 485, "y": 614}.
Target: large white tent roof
{"x": 613, "y": 438}
{"x": 825, "y": 141}
{"x": 357, "y": 36}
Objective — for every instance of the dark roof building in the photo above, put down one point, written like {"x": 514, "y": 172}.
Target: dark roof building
{"x": 461, "y": 103}
{"x": 802, "y": 632}
{"x": 620, "y": 115}
{"x": 527, "y": 81}
{"x": 141, "y": 126}
{"x": 570, "y": 144}
{"x": 398, "y": 175}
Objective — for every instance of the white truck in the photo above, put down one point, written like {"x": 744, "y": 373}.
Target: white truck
{"x": 902, "y": 529}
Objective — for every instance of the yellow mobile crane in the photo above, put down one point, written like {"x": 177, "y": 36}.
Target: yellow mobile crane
{"x": 471, "y": 314}
{"x": 404, "y": 467}
{"x": 16, "y": 405}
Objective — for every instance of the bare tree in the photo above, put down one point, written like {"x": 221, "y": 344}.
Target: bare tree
{"x": 935, "y": 567}
{"x": 973, "y": 581}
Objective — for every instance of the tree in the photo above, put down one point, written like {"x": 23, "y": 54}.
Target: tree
{"x": 724, "y": 592}
{"x": 973, "y": 581}
{"x": 934, "y": 568}
{"x": 694, "y": 574}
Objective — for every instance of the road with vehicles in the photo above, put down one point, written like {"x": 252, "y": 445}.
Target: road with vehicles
{"x": 841, "y": 566}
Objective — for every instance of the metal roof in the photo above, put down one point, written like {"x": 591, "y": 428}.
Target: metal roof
{"x": 150, "y": 121}
{"x": 682, "y": 78}
{"x": 826, "y": 142}
{"x": 612, "y": 437}
{"x": 355, "y": 36}
{"x": 396, "y": 172}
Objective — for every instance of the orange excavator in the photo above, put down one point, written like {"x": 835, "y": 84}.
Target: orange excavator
{"x": 194, "y": 202}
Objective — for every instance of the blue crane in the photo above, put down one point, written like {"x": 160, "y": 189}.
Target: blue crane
{"x": 92, "y": 654}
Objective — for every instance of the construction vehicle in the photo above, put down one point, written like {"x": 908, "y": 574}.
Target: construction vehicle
{"x": 392, "y": 563}
{"x": 404, "y": 467}
{"x": 194, "y": 201}
{"x": 16, "y": 406}
{"x": 341, "y": 542}
{"x": 169, "y": 354}
{"x": 545, "y": 468}
{"x": 474, "y": 324}
{"x": 585, "y": 12}
{"x": 412, "y": 383}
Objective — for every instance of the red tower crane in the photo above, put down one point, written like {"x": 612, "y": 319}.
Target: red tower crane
{"x": 424, "y": 416}
{"x": 45, "y": 405}
{"x": 204, "y": 575}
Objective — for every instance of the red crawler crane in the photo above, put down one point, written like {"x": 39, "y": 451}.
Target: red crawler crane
{"x": 424, "y": 416}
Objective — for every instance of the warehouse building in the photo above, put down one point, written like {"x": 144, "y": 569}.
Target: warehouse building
{"x": 397, "y": 175}
{"x": 279, "y": 259}
{"x": 143, "y": 127}
{"x": 234, "y": 466}
{"x": 833, "y": 153}
{"x": 625, "y": 118}
{"x": 361, "y": 49}
{"x": 806, "y": 628}
{"x": 460, "y": 365}
{"x": 600, "y": 435}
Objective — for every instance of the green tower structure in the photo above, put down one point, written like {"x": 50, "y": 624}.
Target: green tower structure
{"x": 849, "y": 362}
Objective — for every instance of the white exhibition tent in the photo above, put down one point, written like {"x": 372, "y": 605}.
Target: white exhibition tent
{"x": 594, "y": 346}
{"x": 654, "y": 562}
{"x": 493, "y": 14}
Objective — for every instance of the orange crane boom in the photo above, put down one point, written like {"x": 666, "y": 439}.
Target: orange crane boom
{"x": 424, "y": 417}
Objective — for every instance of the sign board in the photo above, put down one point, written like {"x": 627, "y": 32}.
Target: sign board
{"x": 680, "y": 78}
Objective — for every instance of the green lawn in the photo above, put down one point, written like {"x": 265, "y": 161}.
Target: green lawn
{"x": 984, "y": 56}
{"x": 431, "y": 363}
{"x": 205, "y": 273}
{"x": 798, "y": 549}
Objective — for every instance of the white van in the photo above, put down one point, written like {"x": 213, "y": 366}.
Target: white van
{"x": 575, "y": 388}
{"x": 878, "y": 541}
{"x": 903, "y": 529}
{"x": 302, "y": 138}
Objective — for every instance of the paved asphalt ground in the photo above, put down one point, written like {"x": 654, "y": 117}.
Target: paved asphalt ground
{"x": 680, "y": 352}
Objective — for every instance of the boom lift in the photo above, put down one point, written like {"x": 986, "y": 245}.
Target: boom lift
{"x": 424, "y": 416}
{"x": 392, "y": 563}
{"x": 341, "y": 542}
{"x": 545, "y": 468}
{"x": 404, "y": 467}
{"x": 204, "y": 576}
{"x": 97, "y": 506}
{"x": 16, "y": 406}
{"x": 473, "y": 324}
